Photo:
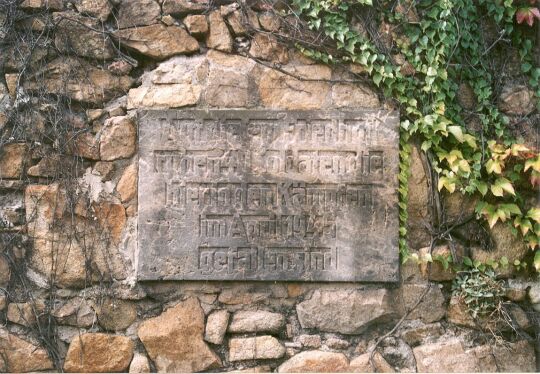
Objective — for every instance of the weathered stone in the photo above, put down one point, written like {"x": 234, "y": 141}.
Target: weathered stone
{"x": 516, "y": 290}
{"x": 168, "y": 20}
{"x": 345, "y": 311}
{"x": 127, "y": 185}
{"x": 361, "y": 364}
{"x": 444, "y": 357}
{"x": 185, "y": 6}
{"x": 82, "y": 36}
{"x": 269, "y": 21}
{"x": 236, "y": 23}
{"x": 12, "y": 160}
{"x": 169, "y": 96}
{"x": 139, "y": 364}
{"x": 5, "y": 272}
{"x": 112, "y": 218}
{"x": 398, "y": 354}
{"x": 120, "y": 67}
{"x": 415, "y": 335}
{"x": 75, "y": 312}
{"x": 378, "y": 225}
{"x": 21, "y": 356}
{"x": 449, "y": 356}
{"x": 23, "y": 313}
{"x": 3, "y": 301}
{"x": 256, "y": 348}
{"x": 49, "y": 166}
{"x": 133, "y": 13}
{"x": 310, "y": 341}
{"x": 86, "y": 145}
{"x": 245, "y": 295}
{"x": 517, "y": 99}
{"x": 115, "y": 314}
{"x": 11, "y": 84}
{"x": 117, "y": 139}
{"x": 42, "y": 4}
{"x": 158, "y": 41}
{"x": 345, "y": 95}
{"x": 336, "y": 343}
{"x": 256, "y": 321}
{"x": 174, "y": 340}
{"x": 315, "y": 362}
{"x": 519, "y": 316}
{"x": 417, "y": 206}
{"x": 78, "y": 80}
{"x": 95, "y": 353}
{"x": 281, "y": 91}
{"x": 458, "y": 313}
{"x": 534, "y": 293}
{"x": 229, "y": 81}
{"x": 518, "y": 357}
{"x": 432, "y": 307}
{"x": 216, "y": 326}
{"x": 99, "y": 9}
{"x": 266, "y": 47}
{"x": 60, "y": 254}
{"x": 196, "y": 24}
{"x": 174, "y": 83}
{"x": 219, "y": 37}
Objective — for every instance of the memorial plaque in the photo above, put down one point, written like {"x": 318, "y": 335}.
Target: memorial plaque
{"x": 268, "y": 195}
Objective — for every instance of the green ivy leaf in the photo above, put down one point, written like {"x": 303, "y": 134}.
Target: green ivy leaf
{"x": 457, "y": 132}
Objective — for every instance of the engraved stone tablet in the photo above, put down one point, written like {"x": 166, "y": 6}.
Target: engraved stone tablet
{"x": 268, "y": 195}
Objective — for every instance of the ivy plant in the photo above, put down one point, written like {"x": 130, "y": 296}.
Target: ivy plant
{"x": 443, "y": 45}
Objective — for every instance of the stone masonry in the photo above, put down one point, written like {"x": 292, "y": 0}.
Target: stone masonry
{"x": 70, "y": 298}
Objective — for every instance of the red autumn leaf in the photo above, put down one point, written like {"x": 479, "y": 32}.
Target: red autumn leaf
{"x": 527, "y": 14}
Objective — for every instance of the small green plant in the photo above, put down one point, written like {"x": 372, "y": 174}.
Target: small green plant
{"x": 480, "y": 291}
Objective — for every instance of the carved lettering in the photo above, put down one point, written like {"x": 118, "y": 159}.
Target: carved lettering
{"x": 268, "y": 195}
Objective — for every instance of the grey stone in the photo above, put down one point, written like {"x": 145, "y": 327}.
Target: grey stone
{"x": 432, "y": 307}
{"x": 256, "y": 321}
{"x": 216, "y": 326}
{"x": 534, "y": 293}
{"x": 419, "y": 332}
{"x": 75, "y": 312}
{"x": 336, "y": 343}
{"x": 310, "y": 341}
{"x": 114, "y": 314}
{"x": 446, "y": 356}
{"x": 256, "y": 348}
{"x": 398, "y": 354}
{"x": 268, "y": 195}
{"x": 83, "y": 36}
{"x": 345, "y": 311}
{"x": 133, "y": 13}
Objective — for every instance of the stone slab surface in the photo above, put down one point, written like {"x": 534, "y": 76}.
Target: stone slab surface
{"x": 268, "y": 195}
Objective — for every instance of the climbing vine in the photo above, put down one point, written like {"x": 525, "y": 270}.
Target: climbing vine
{"x": 435, "y": 45}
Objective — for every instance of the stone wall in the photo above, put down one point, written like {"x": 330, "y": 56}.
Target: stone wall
{"x": 69, "y": 296}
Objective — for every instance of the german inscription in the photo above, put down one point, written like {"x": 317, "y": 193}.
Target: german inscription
{"x": 268, "y": 195}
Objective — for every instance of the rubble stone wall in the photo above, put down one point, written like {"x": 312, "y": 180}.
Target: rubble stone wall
{"x": 69, "y": 296}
